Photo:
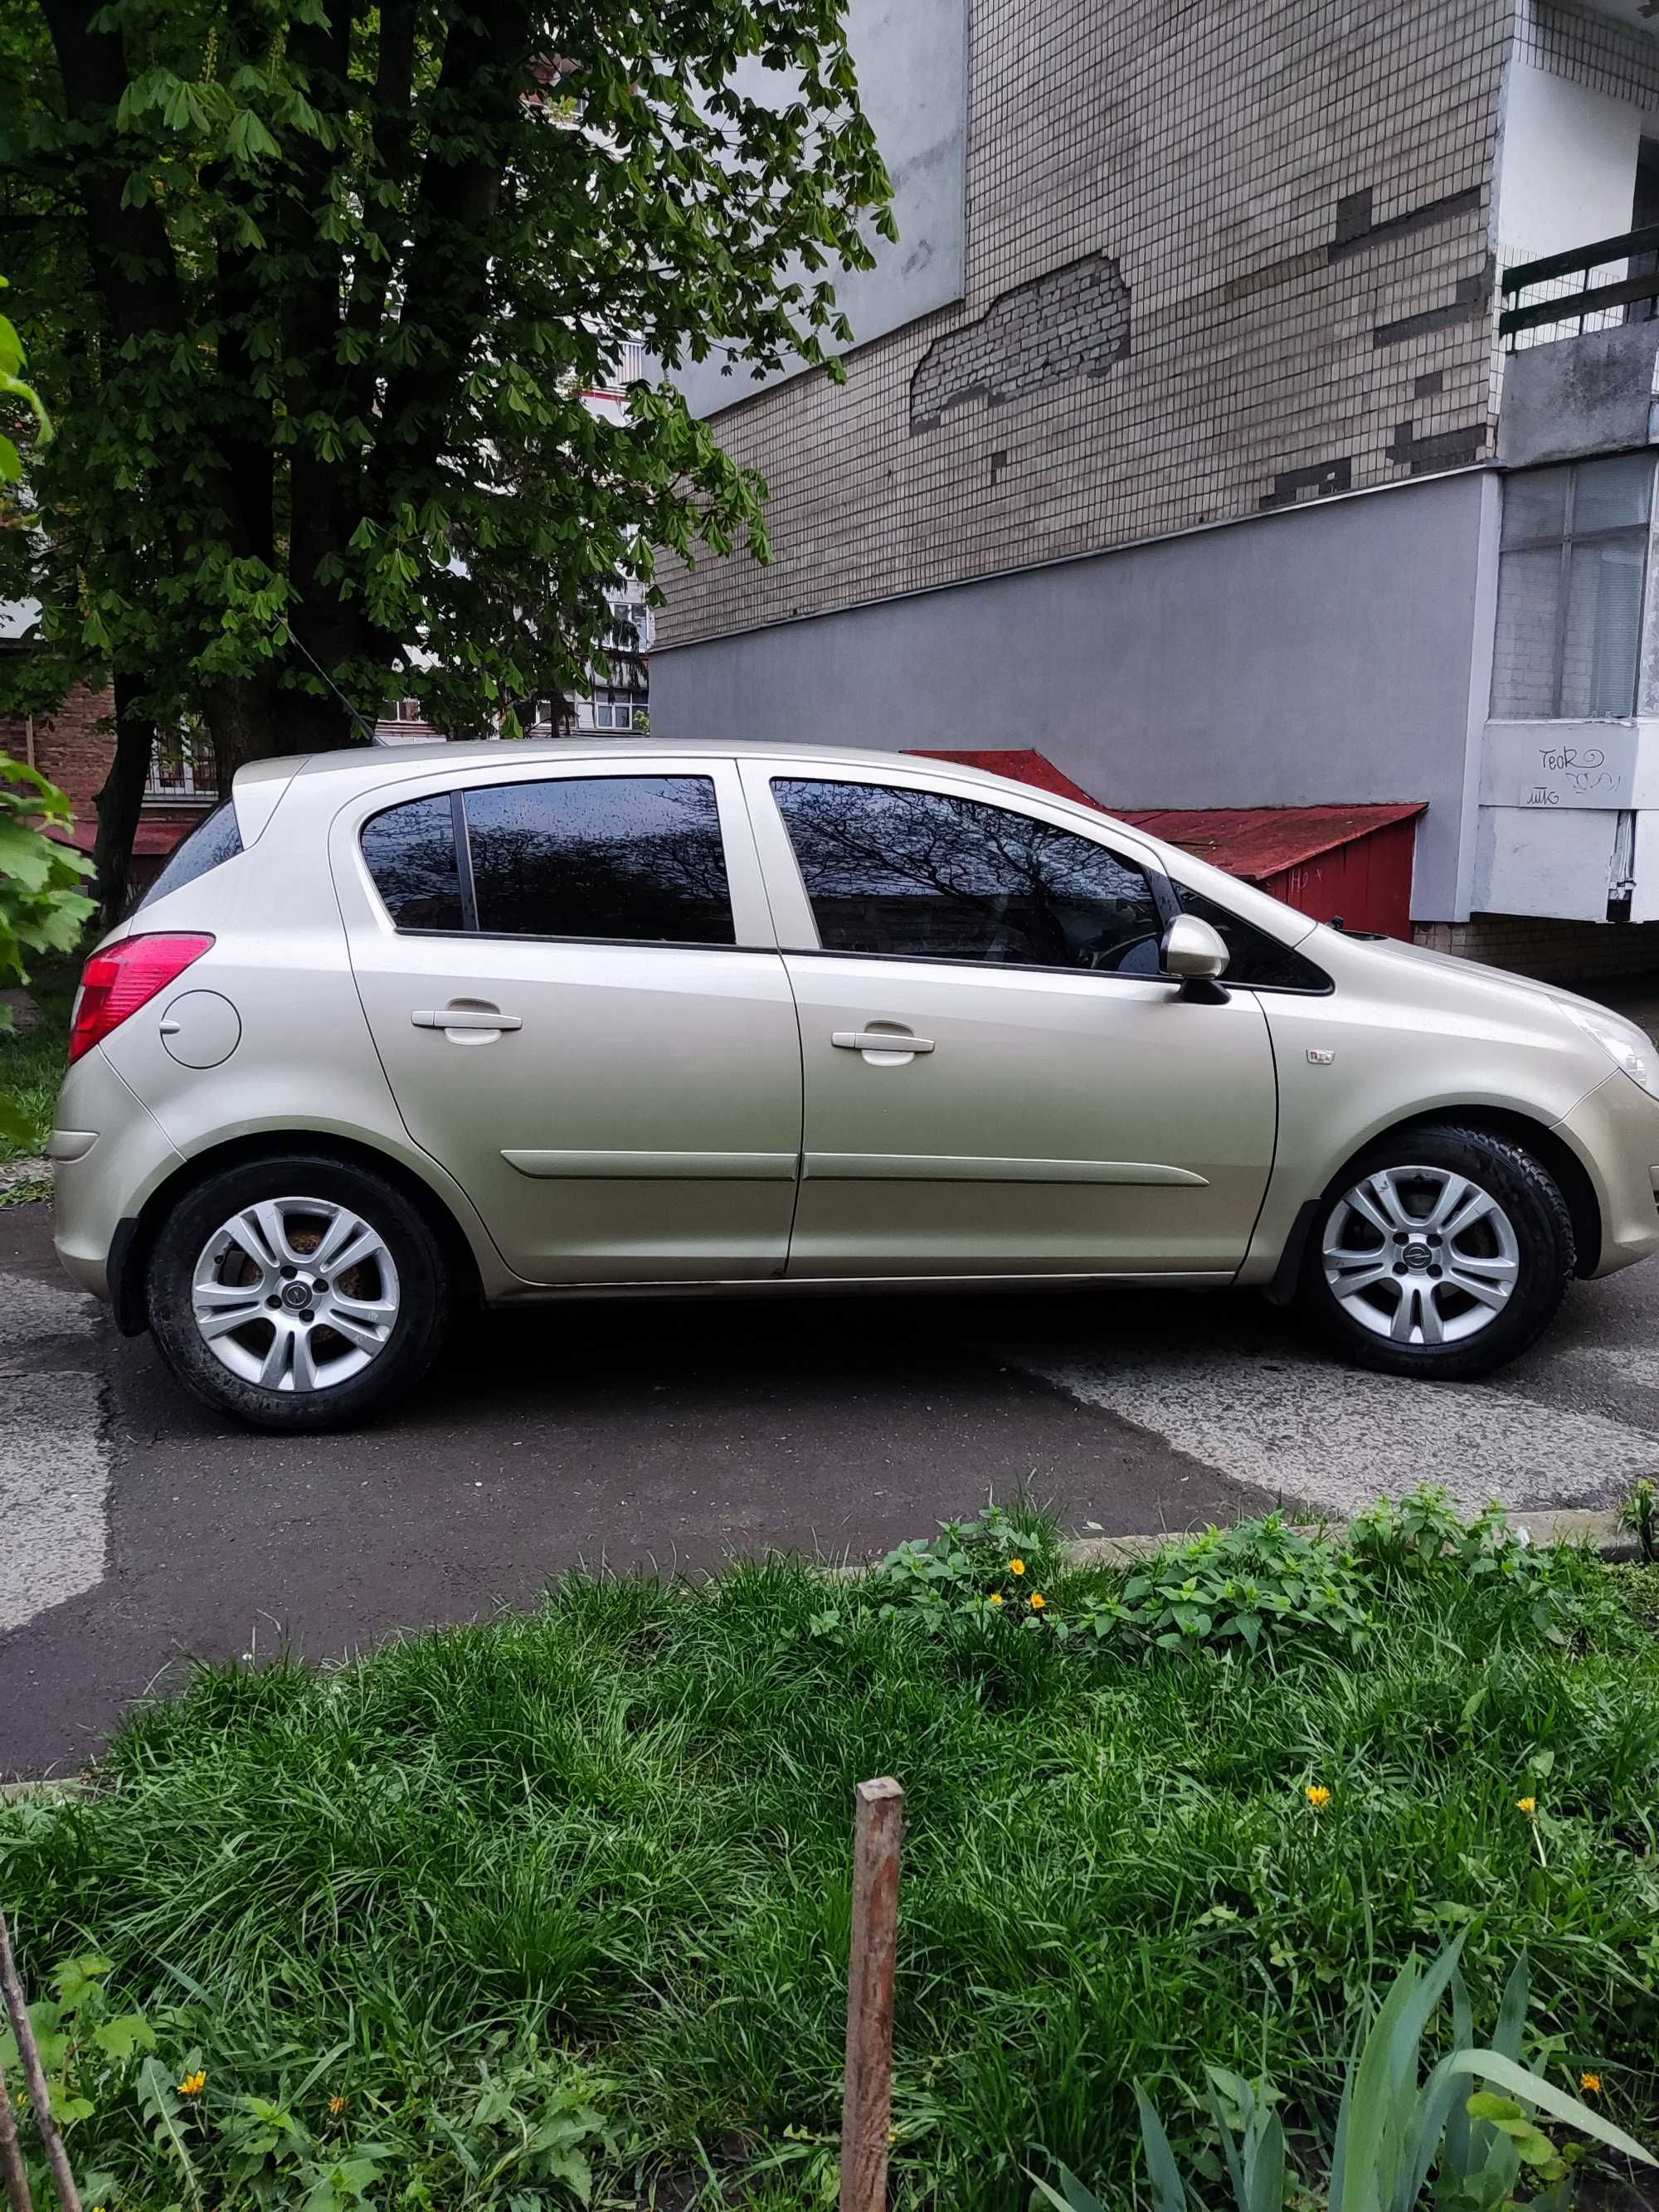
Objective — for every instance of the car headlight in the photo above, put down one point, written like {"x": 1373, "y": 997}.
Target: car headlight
{"x": 1625, "y": 1045}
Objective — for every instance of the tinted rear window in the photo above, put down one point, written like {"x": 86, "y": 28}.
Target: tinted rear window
{"x": 635, "y": 857}
{"x": 410, "y": 852}
{"x": 214, "y": 839}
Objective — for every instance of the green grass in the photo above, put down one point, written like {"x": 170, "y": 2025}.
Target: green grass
{"x": 609, "y": 1843}
{"x": 32, "y": 1061}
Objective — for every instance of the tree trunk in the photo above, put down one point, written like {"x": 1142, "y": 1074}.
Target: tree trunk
{"x": 119, "y": 801}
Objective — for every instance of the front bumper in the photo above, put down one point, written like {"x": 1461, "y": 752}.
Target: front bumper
{"x": 104, "y": 1181}
{"x": 1614, "y": 1131}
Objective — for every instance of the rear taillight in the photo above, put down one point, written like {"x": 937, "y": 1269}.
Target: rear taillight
{"x": 117, "y": 982}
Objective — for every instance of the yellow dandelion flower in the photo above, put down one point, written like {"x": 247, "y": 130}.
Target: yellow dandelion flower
{"x": 193, "y": 2084}
{"x": 995, "y": 1598}
{"x": 336, "y": 2105}
{"x": 1317, "y": 1795}
{"x": 1527, "y": 1805}
{"x": 1038, "y": 1601}
{"x": 1015, "y": 1566}
{"x": 1590, "y": 2084}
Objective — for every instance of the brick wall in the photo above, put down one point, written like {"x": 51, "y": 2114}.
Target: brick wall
{"x": 1556, "y": 952}
{"x": 1221, "y": 257}
{"x": 72, "y": 747}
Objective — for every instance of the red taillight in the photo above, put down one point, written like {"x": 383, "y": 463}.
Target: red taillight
{"x": 116, "y": 983}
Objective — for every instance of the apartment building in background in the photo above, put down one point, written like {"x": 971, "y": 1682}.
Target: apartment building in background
{"x": 1257, "y": 419}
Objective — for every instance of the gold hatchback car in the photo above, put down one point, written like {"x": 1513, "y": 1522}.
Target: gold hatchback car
{"x": 400, "y": 1029}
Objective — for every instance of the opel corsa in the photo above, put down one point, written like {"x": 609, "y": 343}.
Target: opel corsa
{"x": 400, "y": 1030}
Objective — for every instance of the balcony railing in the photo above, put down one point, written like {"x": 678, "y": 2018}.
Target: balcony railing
{"x": 1569, "y": 295}
{"x": 182, "y": 768}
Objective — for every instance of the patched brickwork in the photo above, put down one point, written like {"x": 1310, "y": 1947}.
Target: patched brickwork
{"x": 1296, "y": 200}
{"x": 1072, "y": 323}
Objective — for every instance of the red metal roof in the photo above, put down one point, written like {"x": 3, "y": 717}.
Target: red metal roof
{"x": 1252, "y": 842}
{"x": 1256, "y": 842}
{"x": 1035, "y": 768}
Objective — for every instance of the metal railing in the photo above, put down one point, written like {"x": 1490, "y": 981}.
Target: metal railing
{"x": 1570, "y": 294}
{"x": 182, "y": 767}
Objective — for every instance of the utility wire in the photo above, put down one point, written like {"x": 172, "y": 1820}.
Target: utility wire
{"x": 369, "y": 735}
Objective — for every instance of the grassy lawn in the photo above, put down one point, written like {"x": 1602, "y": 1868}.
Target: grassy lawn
{"x": 585, "y": 1871}
{"x": 32, "y": 1061}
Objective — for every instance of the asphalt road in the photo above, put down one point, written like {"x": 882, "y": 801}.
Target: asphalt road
{"x": 138, "y": 1530}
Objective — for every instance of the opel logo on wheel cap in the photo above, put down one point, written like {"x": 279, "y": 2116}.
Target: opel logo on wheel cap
{"x": 1416, "y": 1253}
{"x": 296, "y": 1295}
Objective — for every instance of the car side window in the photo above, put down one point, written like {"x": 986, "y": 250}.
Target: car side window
{"x": 1254, "y": 958}
{"x": 410, "y": 852}
{"x": 632, "y": 857}
{"x": 897, "y": 870}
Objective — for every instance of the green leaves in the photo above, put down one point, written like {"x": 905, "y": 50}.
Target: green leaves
{"x": 1393, "y": 2135}
{"x": 357, "y": 277}
{"x": 42, "y": 908}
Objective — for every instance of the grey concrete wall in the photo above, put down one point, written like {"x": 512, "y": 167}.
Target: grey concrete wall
{"x": 1578, "y": 395}
{"x": 1339, "y": 650}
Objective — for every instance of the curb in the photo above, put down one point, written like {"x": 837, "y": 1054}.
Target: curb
{"x": 1598, "y": 1531}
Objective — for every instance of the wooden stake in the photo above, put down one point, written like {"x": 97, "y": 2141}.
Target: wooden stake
{"x": 868, "y": 2097}
{"x": 34, "y": 2074}
{"x": 11, "y": 2157}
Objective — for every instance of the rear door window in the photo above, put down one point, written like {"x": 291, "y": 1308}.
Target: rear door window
{"x": 634, "y": 858}
{"x": 928, "y": 874}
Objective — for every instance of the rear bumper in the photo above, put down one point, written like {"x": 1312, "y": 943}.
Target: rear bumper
{"x": 1614, "y": 1131}
{"x": 98, "y": 1190}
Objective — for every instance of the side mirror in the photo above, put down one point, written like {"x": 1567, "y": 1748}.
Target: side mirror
{"x": 1197, "y": 955}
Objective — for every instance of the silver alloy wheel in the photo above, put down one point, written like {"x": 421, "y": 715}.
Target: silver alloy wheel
{"x": 296, "y": 1294}
{"x": 1421, "y": 1256}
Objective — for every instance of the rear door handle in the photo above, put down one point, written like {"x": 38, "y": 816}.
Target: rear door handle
{"x": 879, "y": 1040}
{"x": 463, "y": 1017}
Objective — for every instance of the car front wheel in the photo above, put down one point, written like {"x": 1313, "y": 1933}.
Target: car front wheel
{"x": 1442, "y": 1252}
{"x": 298, "y": 1293}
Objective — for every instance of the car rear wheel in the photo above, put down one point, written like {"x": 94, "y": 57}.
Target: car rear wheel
{"x": 298, "y": 1293}
{"x": 1444, "y": 1251}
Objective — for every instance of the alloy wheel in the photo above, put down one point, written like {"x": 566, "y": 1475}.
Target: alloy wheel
{"x": 1420, "y": 1254}
{"x": 296, "y": 1294}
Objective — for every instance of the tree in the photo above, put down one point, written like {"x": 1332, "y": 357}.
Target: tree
{"x": 315, "y": 288}
{"x": 42, "y": 908}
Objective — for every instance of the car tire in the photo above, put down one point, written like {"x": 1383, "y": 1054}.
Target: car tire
{"x": 1441, "y": 1252}
{"x": 253, "y": 1316}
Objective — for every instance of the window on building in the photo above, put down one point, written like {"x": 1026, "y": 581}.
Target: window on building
{"x": 613, "y": 709}
{"x": 932, "y": 876}
{"x": 631, "y": 857}
{"x": 1570, "y": 586}
{"x": 410, "y": 852}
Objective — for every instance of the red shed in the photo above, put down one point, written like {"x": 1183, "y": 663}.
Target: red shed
{"x": 1355, "y": 861}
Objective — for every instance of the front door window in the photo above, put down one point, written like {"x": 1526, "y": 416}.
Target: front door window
{"x": 927, "y": 874}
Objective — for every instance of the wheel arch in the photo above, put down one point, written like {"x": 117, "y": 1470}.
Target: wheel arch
{"x": 135, "y": 1237}
{"x": 1550, "y": 1149}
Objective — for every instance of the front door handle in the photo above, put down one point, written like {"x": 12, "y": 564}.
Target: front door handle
{"x": 879, "y": 1040}
{"x": 464, "y": 1018}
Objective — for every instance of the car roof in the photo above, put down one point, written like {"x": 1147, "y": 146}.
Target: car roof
{"x": 370, "y": 763}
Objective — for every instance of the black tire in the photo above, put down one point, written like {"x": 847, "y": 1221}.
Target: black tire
{"x": 1537, "y": 1217}
{"x": 423, "y": 1293}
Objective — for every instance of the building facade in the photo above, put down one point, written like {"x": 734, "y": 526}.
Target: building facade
{"x": 1271, "y": 456}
